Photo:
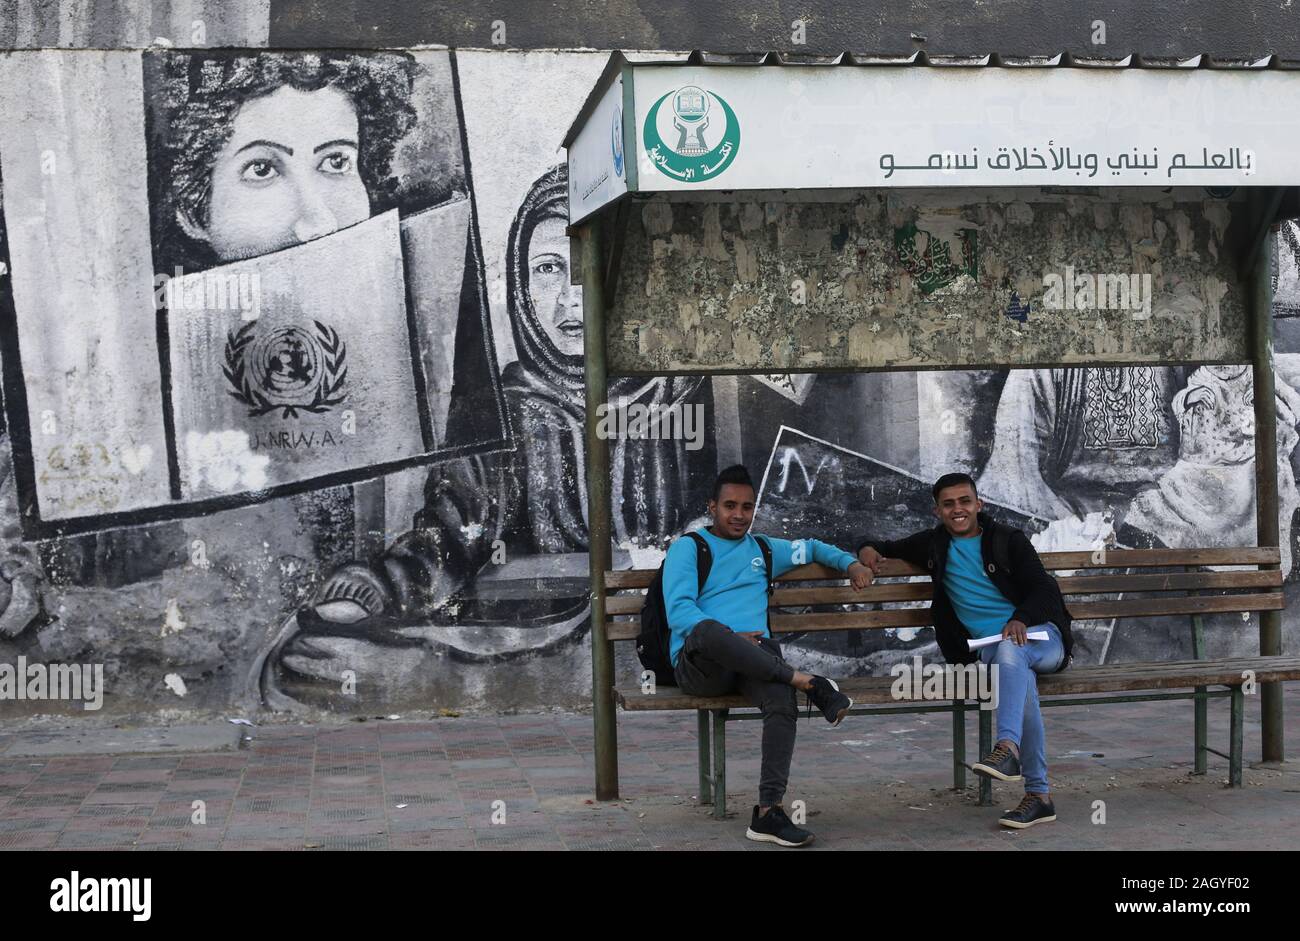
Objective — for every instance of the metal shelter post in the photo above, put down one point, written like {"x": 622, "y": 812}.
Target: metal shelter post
{"x": 598, "y": 510}
{"x": 1266, "y": 495}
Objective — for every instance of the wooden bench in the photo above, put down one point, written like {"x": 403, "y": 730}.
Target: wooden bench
{"x": 1181, "y": 587}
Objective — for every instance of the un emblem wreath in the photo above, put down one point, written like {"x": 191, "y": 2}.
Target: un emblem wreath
{"x": 284, "y": 368}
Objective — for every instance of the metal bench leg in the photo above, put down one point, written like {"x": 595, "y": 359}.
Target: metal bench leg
{"x": 986, "y": 746}
{"x": 720, "y": 763}
{"x": 1201, "y": 759}
{"x": 959, "y": 746}
{"x": 706, "y": 769}
{"x": 1238, "y": 721}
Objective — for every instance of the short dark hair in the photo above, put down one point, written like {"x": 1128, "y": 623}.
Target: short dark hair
{"x": 953, "y": 480}
{"x": 735, "y": 474}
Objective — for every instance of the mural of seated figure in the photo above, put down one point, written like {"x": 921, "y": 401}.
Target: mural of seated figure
{"x": 1069, "y": 443}
{"x": 1208, "y": 497}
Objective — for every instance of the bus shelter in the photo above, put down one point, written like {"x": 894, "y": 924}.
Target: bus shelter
{"x": 966, "y": 215}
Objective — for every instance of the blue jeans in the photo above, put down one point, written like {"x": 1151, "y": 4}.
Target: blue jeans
{"x": 1019, "y": 718}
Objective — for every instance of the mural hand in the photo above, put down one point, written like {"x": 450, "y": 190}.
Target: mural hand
{"x": 1073, "y": 533}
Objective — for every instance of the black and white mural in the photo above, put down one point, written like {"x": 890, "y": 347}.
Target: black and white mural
{"x": 492, "y": 569}
{"x": 292, "y": 368}
{"x": 1132, "y": 457}
{"x": 329, "y": 192}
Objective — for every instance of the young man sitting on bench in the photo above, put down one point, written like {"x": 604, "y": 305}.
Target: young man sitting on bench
{"x": 988, "y": 581}
{"x": 721, "y": 643}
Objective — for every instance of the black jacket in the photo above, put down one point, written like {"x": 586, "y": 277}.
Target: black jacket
{"x": 1014, "y": 568}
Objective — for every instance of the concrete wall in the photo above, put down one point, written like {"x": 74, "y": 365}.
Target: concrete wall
{"x": 475, "y": 549}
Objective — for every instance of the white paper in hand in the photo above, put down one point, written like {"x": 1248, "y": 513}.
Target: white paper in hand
{"x": 977, "y": 642}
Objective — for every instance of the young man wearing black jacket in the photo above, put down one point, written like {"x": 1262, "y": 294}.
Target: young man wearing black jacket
{"x": 988, "y": 581}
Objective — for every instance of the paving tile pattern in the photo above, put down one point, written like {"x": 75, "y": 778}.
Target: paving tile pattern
{"x": 525, "y": 783}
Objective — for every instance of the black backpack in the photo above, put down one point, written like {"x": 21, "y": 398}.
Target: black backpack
{"x": 655, "y": 638}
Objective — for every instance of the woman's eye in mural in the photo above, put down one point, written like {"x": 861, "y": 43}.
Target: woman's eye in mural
{"x": 337, "y": 162}
{"x": 259, "y": 171}
{"x": 549, "y": 265}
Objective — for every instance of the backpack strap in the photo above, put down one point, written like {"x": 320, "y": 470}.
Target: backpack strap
{"x": 765, "y": 548}
{"x": 704, "y": 559}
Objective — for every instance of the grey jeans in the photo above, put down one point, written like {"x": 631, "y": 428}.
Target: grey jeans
{"x": 715, "y": 661}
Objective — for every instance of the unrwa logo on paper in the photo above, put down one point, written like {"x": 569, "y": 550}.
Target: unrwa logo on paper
{"x": 693, "y": 139}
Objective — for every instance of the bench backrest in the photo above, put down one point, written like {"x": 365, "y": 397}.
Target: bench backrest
{"x": 1087, "y": 573}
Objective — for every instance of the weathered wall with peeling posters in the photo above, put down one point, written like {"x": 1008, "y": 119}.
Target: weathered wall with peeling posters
{"x": 907, "y": 278}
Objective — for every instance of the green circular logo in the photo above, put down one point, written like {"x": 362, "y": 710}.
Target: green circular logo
{"x": 695, "y": 138}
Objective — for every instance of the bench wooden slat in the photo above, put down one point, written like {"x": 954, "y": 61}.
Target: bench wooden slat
{"x": 1152, "y": 558}
{"x": 783, "y": 597}
{"x": 1113, "y": 559}
{"x": 851, "y": 620}
{"x": 1145, "y": 607}
{"x": 624, "y": 604}
{"x": 623, "y": 630}
{"x": 1168, "y": 581}
{"x": 640, "y": 578}
{"x": 877, "y": 690}
{"x": 1080, "y": 610}
{"x": 1070, "y": 585}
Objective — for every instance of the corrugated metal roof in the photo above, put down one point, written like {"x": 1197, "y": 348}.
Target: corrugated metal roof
{"x": 1063, "y": 59}
{"x": 1228, "y": 32}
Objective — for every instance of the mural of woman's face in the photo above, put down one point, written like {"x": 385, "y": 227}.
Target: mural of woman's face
{"x": 288, "y": 174}
{"x": 557, "y": 303}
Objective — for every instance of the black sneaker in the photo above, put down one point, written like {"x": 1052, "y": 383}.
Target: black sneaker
{"x": 1001, "y": 763}
{"x": 776, "y": 827}
{"x": 826, "y": 696}
{"x": 1033, "y": 809}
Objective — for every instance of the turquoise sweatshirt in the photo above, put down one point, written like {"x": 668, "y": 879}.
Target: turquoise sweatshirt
{"x": 736, "y": 591}
{"x": 977, "y": 601}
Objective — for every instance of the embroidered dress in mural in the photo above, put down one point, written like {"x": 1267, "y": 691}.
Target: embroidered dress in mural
{"x": 1069, "y": 442}
{"x": 1122, "y": 409}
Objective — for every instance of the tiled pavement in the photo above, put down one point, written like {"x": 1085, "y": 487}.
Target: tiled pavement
{"x": 879, "y": 783}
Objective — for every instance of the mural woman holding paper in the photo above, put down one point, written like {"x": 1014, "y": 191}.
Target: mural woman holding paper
{"x": 272, "y": 170}
{"x": 305, "y": 175}
{"x": 250, "y": 155}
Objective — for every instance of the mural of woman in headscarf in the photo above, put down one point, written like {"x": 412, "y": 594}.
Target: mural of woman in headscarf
{"x": 528, "y": 503}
